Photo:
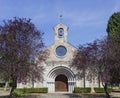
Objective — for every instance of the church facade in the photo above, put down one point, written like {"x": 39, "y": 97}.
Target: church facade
{"x": 58, "y": 75}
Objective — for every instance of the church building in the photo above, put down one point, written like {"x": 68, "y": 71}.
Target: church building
{"x": 58, "y": 75}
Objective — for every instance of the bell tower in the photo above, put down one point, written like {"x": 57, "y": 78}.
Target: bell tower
{"x": 60, "y": 31}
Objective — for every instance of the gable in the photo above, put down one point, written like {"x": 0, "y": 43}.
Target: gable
{"x": 54, "y": 56}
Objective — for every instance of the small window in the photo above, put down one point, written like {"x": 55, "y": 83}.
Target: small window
{"x": 60, "y": 33}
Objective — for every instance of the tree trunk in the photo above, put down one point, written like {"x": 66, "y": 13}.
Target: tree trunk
{"x": 99, "y": 80}
{"x": 106, "y": 90}
{"x": 84, "y": 79}
{"x": 6, "y": 85}
{"x": 33, "y": 82}
{"x": 14, "y": 85}
{"x": 92, "y": 88}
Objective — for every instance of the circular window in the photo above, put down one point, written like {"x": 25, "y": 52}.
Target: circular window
{"x": 61, "y": 50}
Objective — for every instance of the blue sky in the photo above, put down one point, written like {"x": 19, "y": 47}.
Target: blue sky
{"x": 86, "y": 19}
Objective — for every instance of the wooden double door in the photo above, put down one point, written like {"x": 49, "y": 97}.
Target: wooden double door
{"x": 61, "y": 83}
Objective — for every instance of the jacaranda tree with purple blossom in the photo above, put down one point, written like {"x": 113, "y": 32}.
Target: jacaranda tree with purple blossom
{"x": 20, "y": 42}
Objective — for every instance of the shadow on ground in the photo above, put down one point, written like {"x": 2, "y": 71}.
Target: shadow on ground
{"x": 88, "y": 96}
{"x": 3, "y": 96}
{"x": 63, "y": 96}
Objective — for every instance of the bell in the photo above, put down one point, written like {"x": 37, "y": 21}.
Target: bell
{"x": 60, "y": 34}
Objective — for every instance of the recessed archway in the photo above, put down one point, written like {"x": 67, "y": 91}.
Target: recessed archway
{"x": 61, "y": 83}
{"x": 61, "y": 72}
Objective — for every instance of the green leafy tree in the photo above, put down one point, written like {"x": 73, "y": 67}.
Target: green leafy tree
{"x": 113, "y": 26}
{"x": 113, "y": 29}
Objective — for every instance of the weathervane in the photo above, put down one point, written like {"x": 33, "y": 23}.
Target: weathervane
{"x": 61, "y": 18}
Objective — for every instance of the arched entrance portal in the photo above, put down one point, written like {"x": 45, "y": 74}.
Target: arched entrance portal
{"x": 61, "y": 76}
{"x": 61, "y": 83}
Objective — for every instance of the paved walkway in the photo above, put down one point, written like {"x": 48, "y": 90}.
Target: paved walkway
{"x": 57, "y": 95}
{"x": 48, "y": 95}
{"x": 4, "y": 93}
{"x": 71, "y": 95}
{"x": 60, "y": 95}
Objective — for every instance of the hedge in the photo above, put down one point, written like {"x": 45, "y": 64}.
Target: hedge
{"x": 82, "y": 90}
{"x": 18, "y": 93}
{"x": 33, "y": 90}
{"x": 101, "y": 90}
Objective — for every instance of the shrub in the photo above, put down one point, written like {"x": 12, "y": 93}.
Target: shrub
{"x": 18, "y": 93}
{"x": 101, "y": 90}
{"x": 34, "y": 90}
{"x": 82, "y": 90}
